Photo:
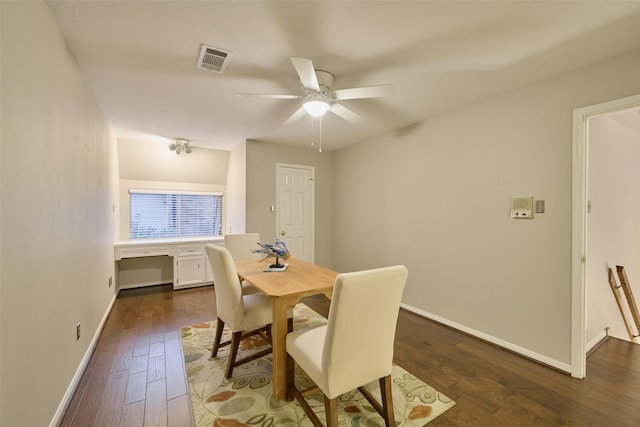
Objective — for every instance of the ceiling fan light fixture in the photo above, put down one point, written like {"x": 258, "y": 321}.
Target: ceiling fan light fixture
{"x": 316, "y": 108}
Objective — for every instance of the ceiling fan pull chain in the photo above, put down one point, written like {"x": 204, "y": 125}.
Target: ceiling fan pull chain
{"x": 312, "y": 132}
{"x": 320, "y": 129}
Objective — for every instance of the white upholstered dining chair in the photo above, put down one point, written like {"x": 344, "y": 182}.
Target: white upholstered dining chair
{"x": 355, "y": 347}
{"x": 241, "y": 246}
{"x": 245, "y": 315}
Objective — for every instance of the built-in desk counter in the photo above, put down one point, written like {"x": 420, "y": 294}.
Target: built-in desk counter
{"x": 142, "y": 262}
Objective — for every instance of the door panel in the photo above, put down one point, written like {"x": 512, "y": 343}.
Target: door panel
{"x": 295, "y": 210}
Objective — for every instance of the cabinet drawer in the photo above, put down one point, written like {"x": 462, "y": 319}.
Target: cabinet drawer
{"x": 142, "y": 251}
{"x": 189, "y": 250}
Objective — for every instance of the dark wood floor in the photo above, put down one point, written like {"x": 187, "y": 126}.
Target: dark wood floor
{"x": 136, "y": 375}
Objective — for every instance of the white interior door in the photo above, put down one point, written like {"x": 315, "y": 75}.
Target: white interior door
{"x": 295, "y": 206}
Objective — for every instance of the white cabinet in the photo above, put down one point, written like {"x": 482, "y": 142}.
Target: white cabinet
{"x": 191, "y": 266}
{"x": 191, "y": 271}
{"x": 190, "y": 263}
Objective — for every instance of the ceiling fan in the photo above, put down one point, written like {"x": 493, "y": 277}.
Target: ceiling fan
{"x": 318, "y": 97}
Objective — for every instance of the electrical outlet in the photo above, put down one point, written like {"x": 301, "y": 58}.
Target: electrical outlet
{"x": 110, "y": 281}
{"x": 78, "y": 331}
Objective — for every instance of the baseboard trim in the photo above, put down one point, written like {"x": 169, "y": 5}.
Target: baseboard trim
{"x": 596, "y": 342}
{"x": 144, "y": 284}
{"x": 66, "y": 399}
{"x": 565, "y": 367}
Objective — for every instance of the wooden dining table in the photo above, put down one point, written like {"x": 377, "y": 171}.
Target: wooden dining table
{"x": 285, "y": 289}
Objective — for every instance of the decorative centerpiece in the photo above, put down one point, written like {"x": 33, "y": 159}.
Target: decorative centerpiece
{"x": 276, "y": 250}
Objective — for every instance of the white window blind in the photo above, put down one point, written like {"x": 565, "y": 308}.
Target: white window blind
{"x": 157, "y": 213}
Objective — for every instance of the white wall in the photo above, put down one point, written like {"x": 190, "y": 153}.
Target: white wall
{"x": 261, "y": 191}
{"x": 613, "y": 226}
{"x": 59, "y": 188}
{"x": 436, "y": 197}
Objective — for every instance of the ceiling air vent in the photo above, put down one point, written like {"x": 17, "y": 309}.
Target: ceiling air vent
{"x": 213, "y": 59}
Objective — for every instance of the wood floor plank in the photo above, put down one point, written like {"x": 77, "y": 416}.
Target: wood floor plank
{"x": 157, "y": 347}
{"x": 174, "y": 362}
{"x": 124, "y": 353}
{"x": 139, "y": 364}
{"x": 156, "y": 369}
{"x": 133, "y": 415}
{"x": 89, "y": 401}
{"x": 136, "y": 388}
{"x": 156, "y": 404}
{"x": 111, "y": 405}
{"x": 179, "y": 412}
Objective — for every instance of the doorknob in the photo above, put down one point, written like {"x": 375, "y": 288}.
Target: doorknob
{"x": 282, "y": 233}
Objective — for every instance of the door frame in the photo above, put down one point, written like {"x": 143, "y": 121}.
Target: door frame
{"x": 579, "y": 190}
{"x": 312, "y": 209}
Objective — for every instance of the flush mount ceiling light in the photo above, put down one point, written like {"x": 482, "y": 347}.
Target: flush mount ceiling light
{"x": 316, "y": 108}
{"x": 180, "y": 146}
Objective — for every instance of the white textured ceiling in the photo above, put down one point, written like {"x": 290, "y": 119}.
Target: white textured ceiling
{"x": 140, "y": 59}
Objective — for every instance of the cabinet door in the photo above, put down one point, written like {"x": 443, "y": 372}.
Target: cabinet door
{"x": 192, "y": 270}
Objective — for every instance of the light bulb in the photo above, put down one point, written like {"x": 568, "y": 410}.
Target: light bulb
{"x": 316, "y": 108}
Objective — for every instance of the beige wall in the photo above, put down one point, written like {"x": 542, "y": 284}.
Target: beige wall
{"x": 436, "y": 197}
{"x": 153, "y": 161}
{"x": 261, "y": 191}
{"x": 613, "y": 226}
{"x": 236, "y": 200}
{"x": 59, "y": 190}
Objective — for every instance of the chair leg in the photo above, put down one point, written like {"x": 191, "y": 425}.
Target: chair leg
{"x": 385, "y": 409}
{"x": 291, "y": 380}
{"x": 233, "y": 351}
{"x": 216, "y": 341}
{"x": 387, "y": 401}
{"x": 307, "y": 409}
{"x": 331, "y": 411}
{"x": 291, "y": 368}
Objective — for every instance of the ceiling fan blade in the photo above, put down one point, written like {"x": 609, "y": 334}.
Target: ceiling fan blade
{"x": 343, "y": 112}
{"x": 266, "y": 95}
{"x": 300, "y": 112}
{"x": 364, "y": 92}
{"x": 306, "y": 72}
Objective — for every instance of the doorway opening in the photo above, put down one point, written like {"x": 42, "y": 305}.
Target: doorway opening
{"x": 580, "y": 208}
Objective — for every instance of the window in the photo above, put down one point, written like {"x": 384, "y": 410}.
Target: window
{"x": 169, "y": 213}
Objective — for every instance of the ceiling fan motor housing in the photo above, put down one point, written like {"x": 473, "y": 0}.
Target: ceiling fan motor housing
{"x": 325, "y": 81}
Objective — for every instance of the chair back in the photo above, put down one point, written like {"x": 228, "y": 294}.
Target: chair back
{"x": 229, "y": 301}
{"x": 241, "y": 245}
{"x": 361, "y": 327}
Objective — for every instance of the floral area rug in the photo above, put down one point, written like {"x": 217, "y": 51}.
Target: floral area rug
{"x": 246, "y": 399}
